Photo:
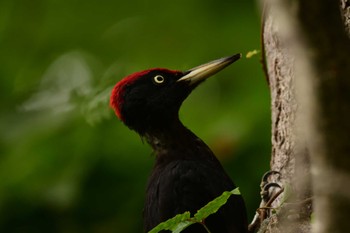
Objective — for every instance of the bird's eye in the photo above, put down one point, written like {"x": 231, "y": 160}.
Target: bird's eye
{"x": 159, "y": 79}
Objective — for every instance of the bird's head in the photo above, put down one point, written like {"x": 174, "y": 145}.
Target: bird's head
{"x": 151, "y": 99}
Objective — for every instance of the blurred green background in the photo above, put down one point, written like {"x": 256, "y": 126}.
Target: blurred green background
{"x": 66, "y": 162}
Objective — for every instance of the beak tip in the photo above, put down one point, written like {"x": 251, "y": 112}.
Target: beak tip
{"x": 199, "y": 73}
{"x": 235, "y": 57}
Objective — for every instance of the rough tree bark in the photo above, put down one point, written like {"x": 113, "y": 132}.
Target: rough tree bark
{"x": 307, "y": 57}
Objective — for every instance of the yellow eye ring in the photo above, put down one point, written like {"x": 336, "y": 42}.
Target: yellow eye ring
{"x": 159, "y": 79}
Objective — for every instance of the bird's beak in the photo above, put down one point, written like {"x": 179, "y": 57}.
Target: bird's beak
{"x": 200, "y": 73}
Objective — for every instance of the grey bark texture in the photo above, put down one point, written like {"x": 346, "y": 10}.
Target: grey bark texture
{"x": 307, "y": 58}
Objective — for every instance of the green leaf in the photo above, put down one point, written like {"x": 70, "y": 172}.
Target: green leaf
{"x": 287, "y": 193}
{"x": 312, "y": 218}
{"x": 182, "y": 221}
{"x": 213, "y": 206}
{"x": 252, "y": 53}
{"x": 181, "y": 226}
{"x": 175, "y": 224}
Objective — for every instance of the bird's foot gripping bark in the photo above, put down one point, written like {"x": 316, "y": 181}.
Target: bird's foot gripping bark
{"x": 270, "y": 190}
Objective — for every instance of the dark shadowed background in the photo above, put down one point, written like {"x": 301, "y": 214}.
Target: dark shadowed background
{"x": 66, "y": 162}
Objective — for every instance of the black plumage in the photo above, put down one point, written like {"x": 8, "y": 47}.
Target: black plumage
{"x": 186, "y": 174}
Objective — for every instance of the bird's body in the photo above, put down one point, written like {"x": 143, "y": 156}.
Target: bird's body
{"x": 186, "y": 174}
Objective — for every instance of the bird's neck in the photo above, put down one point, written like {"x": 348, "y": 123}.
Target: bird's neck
{"x": 176, "y": 142}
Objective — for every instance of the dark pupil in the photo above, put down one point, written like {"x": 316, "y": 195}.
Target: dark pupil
{"x": 159, "y": 78}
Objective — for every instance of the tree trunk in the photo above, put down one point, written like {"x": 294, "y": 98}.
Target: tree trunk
{"x": 307, "y": 61}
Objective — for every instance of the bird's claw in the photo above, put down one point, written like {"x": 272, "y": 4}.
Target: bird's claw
{"x": 265, "y": 191}
{"x": 266, "y": 176}
{"x": 266, "y": 184}
{"x": 268, "y": 194}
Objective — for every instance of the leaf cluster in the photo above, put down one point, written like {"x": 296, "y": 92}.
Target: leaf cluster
{"x": 184, "y": 220}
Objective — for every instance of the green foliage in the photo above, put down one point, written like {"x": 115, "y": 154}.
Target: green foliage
{"x": 214, "y": 205}
{"x": 287, "y": 193}
{"x": 66, "y": 163}
{"x": 252, "y": 53}
{"x": 175, "y": 224}
{"x": 312, "y": 218}
{"x": 182, "y": 221}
